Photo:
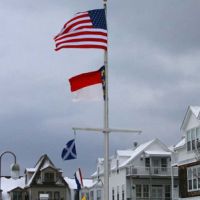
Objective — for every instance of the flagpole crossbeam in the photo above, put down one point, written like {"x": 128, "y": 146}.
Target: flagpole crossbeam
{"x": 108, "y": 130}
{"x": 87, "y": 129}
{"x": 125, "y": 130}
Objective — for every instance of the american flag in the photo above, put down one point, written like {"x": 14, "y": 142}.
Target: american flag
{"x": 85, "y": 30}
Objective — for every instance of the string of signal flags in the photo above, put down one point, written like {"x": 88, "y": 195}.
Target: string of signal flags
{"x": 85, "y": 30}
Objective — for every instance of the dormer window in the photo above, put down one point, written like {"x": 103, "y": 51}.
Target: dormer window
{"x": 49, "y": 177}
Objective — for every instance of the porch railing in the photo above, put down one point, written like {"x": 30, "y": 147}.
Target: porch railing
{"x": 146, "y": 171}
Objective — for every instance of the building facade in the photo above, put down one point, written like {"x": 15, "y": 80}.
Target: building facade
{"x": 187, "y": 153}
{"x": 43, "y": 182}
{"x": 141, "y": 173}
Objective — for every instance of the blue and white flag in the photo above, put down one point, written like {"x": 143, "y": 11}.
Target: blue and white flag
{"x": 69, "y": 152}
{"x": 78, "y": 179}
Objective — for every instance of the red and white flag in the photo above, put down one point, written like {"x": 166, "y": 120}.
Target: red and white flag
{"x": 88, "y": 86}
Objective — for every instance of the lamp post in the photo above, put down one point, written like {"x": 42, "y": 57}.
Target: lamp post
{"x": 14, "y": 169}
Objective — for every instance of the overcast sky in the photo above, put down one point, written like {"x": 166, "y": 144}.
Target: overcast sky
{"x": 154, "y": 60}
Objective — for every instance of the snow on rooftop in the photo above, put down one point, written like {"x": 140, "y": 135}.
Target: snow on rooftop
{"x": 36, "y": 169}
{"x": 158, "y": 153}
{"x": 8, "y": 184}
{"x": 126, "y": 153}
{"x": 181, "y": 143}
{"x": 30, "y": 169}
{"x": 87, "y": 183}
{"x": 46, "y": 165}
{"x": 138, "y": 150}
{"x": 72, "y": 183}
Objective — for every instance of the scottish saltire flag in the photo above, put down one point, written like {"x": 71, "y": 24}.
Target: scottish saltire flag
{"x": 78, "y": 179}
{"x": 69, "y": 152}
{"x": 85, "y": 30}
{"x": 88, "y": 86}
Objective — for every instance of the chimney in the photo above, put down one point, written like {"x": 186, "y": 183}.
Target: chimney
{"x": 135, "y": 145}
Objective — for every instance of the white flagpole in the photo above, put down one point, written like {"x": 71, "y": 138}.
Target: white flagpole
{"x": 106, "y": 123}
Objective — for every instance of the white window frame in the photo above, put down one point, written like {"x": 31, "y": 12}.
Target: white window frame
{"x": 193, "y": 177}
{"x": 193, "y": 139}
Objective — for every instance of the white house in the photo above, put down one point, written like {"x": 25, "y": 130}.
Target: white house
{"x": 142, "y": 172}
{"x": 188, "y": 155}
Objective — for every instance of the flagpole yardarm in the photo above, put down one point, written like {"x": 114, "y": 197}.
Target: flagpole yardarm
{"x": 107, "y": 130}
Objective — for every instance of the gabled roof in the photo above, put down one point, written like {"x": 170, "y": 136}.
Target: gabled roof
{"x": 192, "y": 110}
{"x": 137, "y": 151}
{"x": 134, "y": 153}
{"x": 195, "y": 110}
{"x": 43, "y": 163}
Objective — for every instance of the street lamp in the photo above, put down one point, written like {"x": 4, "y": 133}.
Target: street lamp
{"x": 15, "y": 169}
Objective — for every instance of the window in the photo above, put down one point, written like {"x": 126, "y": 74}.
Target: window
{"x": 188, "y": 140}
{"x": 194, "y": 175}
{"x": 193, "y": 135}
{"x": 98, "y": 194}
{"x": 91, "y": 195}
{"x": 147, "y": 162}
{"x": 198, "y": 176}
{"x": 193, "y": 178}
{"x": 138, "y": 191}
{"x": 164, "y": 164}
{"x": 56, "y": 196}
{"x": 113, "y": 194}
{"x": 189, "y": 178}
{"x": 117, "y": 192}
{"x": 117, "y": 166}
{"x": 145, "y": 191}
{"x": 17, "y": 195}
{"x": 123, "y": 197}
{"x": 198, "y": 138}
{"x": 167, "y": 192}
{"x": 193, "y": 139}
{"x": 49, "y": 177}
